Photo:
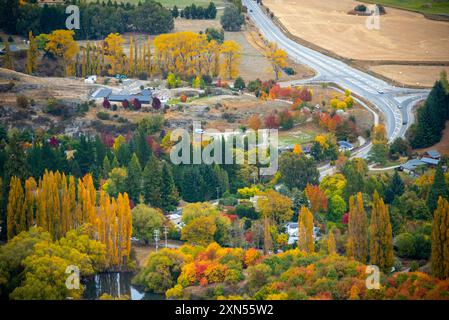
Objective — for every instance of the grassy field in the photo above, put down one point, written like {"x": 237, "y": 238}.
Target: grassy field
{"x": 424, "y": 6}
{"x": 296, "y": 137}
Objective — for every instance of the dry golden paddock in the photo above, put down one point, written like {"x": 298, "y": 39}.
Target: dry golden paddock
{"x": 403, "y": 35}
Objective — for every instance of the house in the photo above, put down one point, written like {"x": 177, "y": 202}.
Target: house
{"x": 100, "y": 94}
{"x": 345, "y": 146}
{"x": 91, "y": 79}
{"x": 307, "y": 150}
{"x": 286, "y": 149}
{"x": 434, "y": 154}
{"x": 131, "y": 97}
{"x": 145, "y": 96}
{"x": 412, "y": 165}
{"x": 175, "y": 218}
{"x": 293, "y": 231}
{"x": 12, "y": 48}
{"x": 292, "y": 228}
{"x": 430, "y": 161}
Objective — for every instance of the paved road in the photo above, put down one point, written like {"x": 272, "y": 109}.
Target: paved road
{"x": 393, "y": 102}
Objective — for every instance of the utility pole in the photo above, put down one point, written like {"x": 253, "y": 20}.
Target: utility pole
{"x": 156, "y": 237}
{"x": 165, "y": 233}
{"x": 218, "y": 188}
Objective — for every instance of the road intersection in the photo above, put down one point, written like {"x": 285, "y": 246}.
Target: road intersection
{"x": 395, "y": 103}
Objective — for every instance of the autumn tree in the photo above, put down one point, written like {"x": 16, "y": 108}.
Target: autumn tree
{"x": 58, "y": 205}
{"x": 61, "y": 44}
{"x": 357, "y": 246}
{"x": 30, "y": 199}
{"x": 145, "y": 221}
{"x": 114, "y": 52}
{"x": 275, "y": 206}
{"x": 305, "y": 231}
{"x": 381, "y": 236}
{"x": 318, "y": 199}
{"x": 199, "y": 231}
{"x": 379, "y": 150}
{"x": 440, "y": 240}
{"x": 230, "y": 52}
{"x": 277, "y": 58}
{"x": 32, "y": 53}
{"x": 331, "y": 245}
{"x": 254, "y": 122}
{"x": 16, "y": 211}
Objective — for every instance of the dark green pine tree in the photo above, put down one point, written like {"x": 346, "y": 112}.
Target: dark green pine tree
{"x": 143, "y": 150}
{"x": 106, "y": 167}
{"x": 75, "y": 169}
{"x": 134, "y": 179}
{"x": 222, "y": 178}
{"x": 193, "y": 185}
{"x": 84, "y": 155}
{"x": 114, "y": 163}
{"x": 437, "y": 104}
{"x": 437, "y": 189}
{"x": 211, "y": 182}
{"x": 169, "y": 193}
{"x": 9, "y": 14}
{"x": 395, "y": 188}
{"x": 100, "y": 151}
{"x": 123, "y": 154}
{"x": 431, "y": 118}
{"x": 152, "y": 183}
{"x": 16, "y": 164}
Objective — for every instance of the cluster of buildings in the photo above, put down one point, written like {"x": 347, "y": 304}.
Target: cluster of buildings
{"x": 129, "y": 92}
{"x": 430, "y": 158}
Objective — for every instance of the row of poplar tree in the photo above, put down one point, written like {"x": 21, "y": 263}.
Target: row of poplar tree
{"x": 60, "y": 203}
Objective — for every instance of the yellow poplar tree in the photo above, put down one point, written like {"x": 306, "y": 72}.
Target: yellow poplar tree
{"x": 381, "y": 235}
{"x": 30, "y": 198}
{"x": 305, "y": 231}
{"x": 62, "y": 44}
{"x": 31, "y": 54}
{"x": 357, "y": 246}
{"x": 440, "y": 240}
{"x": 16, "y": 216}
{"x": 331, "y": 245}
{"x": 114, "y": 53}
{"x": 277, "y": 58}
{"x": 230, "y": 51}
{"x": 131, "y": 57}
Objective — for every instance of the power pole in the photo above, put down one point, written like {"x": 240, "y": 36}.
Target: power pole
{"x": 165, "y": 233}
{"x": 218, "y": 190}
{"x": 156, "y": 238}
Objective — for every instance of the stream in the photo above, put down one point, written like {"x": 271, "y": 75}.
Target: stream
{"x": 116, "y": 284}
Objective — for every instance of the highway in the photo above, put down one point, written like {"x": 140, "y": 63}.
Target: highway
{"x": 395, "y": 103}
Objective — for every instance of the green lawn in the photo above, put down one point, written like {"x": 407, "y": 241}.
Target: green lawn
{"x": 439, "y": 6}
{"x": 295, "y": 138}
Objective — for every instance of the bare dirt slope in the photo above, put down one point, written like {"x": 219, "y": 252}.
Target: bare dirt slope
{"x": 403, "y": 35}
{"x": 42, "y": 88}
